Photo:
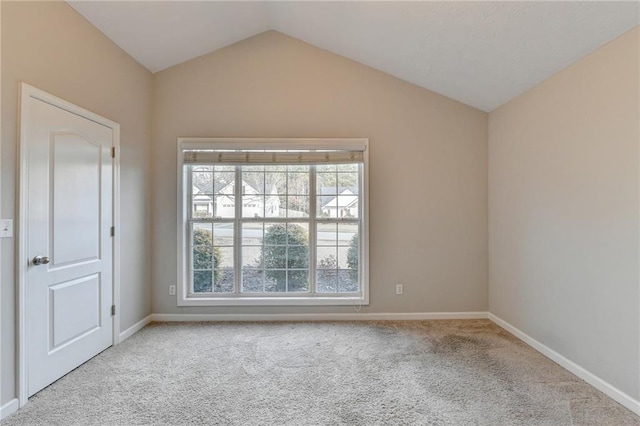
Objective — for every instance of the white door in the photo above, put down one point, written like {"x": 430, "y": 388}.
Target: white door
{"x": 69, "y": 202}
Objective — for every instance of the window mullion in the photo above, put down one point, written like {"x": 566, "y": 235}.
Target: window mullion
{"x": 312, "y": 229}
{"x": 189, "y": 230}
{"x": 237, "y": 232}
{"x": 361, "y": 229}
{"x": 189, "y": 188}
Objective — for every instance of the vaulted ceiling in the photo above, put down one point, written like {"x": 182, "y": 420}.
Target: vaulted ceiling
{"x": 480, "y": 53}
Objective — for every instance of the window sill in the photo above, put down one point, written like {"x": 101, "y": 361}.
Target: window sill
{"x": 273, "y": 301}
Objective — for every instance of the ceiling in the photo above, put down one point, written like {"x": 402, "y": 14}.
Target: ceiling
{"x": 480, "y": 53}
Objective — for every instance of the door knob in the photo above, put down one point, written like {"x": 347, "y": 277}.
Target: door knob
{"x": 40, "y": 260}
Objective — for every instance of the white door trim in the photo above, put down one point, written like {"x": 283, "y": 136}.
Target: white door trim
{"x": 26, "y": 92}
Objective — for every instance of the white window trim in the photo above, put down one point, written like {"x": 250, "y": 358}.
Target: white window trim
{"x": 259, "y": 143}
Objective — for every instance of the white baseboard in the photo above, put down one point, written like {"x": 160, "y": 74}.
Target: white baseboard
{"x": 595, "y": 381}
{"x": 322, "y": 317}
{"x": 135, "y": 328}
{"x": 9, "y": 408}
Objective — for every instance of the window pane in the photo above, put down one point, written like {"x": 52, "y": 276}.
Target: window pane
{"x": 275, "y": 256}
{"x": 298, "y": 183}
{"x": 298, "y": 280}
{"x": 223, "y": 234}
{"x": 344, "y": 206}
{"x": 223, "y": 257}
{"x": 275, "y": 205}
{"x": 251, "y": 257}
{"x": 298, "y": 234}
{"x": 292, "y": 234}
{"x": 275, "y": 183}
{"x": 297, "y": 206}
{"x": 212, "y": 258}
{"x": 202, "y": 182}
{"x": 326, "y": 281}
{"x": 326, "y": 184}
{"x": 285, "y": 249}
{"x": 224, "y": 182}
{"x": 202, "y": 257}
{"x": 252, "y": 182}
{"x": 321, "y": 211}
{"x": 297, "y": 257}
{"x": 202, "y": 206}
{"x": 275, "y": 280}
{"x": 343, "y": 254}
{"x": 225, "y": 206}
{"x": 253, "y": 205}
{"x": 326, "y": 258}
{"x": 252, "y": 280}
{"x": 339, "y": 207}
{"x": 337, "y": 253}
{"x": 202, "y": 281}
{"x": 348, "y": 204}
{"x": 203, "y": 232}
{"x": 327, "y": 234}
{"x": 346, "y": 233}
{"x": 275, "y": 234}
{"x": 337, "y": 194}
{"x": 348, "y": 180}
{"x": 347, "y": 281}
{"x": 353, "y": 250}
{"x": 223, "y": 280}
{"x": 252, "y": 233}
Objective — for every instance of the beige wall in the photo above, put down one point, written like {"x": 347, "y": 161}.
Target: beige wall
{"x": 563, "y": 209}
{"x": 563, "y": 177}
{"x": 50, "y": 46}
{"x": 428, "y": 163}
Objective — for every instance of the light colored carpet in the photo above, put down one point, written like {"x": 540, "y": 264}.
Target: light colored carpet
{"x": 340, "y": 373}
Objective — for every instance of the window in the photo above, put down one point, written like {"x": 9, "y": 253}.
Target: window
{"x": 272, "y": 222}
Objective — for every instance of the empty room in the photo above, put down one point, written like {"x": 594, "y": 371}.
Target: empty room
{"x": 319, "y": 213}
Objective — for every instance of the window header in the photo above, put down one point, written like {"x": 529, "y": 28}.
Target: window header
{"x": 267, "y": 151}
{"x": 267, "y": 157}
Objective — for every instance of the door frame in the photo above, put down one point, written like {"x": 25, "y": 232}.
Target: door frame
{"x": 26, "y": 92}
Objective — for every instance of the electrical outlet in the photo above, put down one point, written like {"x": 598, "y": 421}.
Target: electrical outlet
{"x": 6, "y": 228}
{"x": 172, "y": 290}
{"x": 399, "y": 289}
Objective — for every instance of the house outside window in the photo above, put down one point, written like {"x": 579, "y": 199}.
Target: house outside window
{"x": 273, "y": 222}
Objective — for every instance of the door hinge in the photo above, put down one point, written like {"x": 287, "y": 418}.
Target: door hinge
{"x": 113, "y": 231}
{"x": 113, "y": 152}
{"x": 113, "y": 310}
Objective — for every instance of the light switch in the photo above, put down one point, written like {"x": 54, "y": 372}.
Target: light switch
{"x": 6, "y": 228}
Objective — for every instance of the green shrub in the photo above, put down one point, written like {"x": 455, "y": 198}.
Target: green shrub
{"x": 353, "y": 254}
{"x": 204, "y": 256}
{"x": 275, "y": 256}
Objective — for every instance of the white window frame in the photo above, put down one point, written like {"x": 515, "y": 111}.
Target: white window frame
{"x": 183, "y": 298}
